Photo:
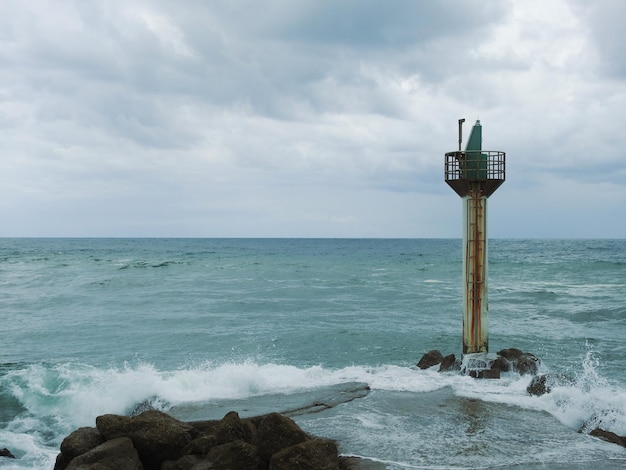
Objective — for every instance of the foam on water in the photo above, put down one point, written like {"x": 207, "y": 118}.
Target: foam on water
{"x": 59, "y": 398}
{"x": 590, "y": 401}
{"x": 593, "y": 401}
{"x": 76, "y": 393}
{"x": 56, "y": 399}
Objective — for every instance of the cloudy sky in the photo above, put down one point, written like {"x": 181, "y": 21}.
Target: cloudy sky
{"x": 308, "y": 118}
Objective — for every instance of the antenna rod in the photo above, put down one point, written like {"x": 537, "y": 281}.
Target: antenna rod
{"x": 461, "y": 121}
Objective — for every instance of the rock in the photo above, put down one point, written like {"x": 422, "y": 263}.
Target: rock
{"x": 77, "y": 443}
{"x": 232, "y": 428}
{"x": 153, "y": 403}
{"x": 156, "y": 441}
{"x": 510, "y": 354}
{"x": 203, "y": 427}
{"x": 276, "y": 432}
{"x": 609, "y": 436}
{"x": 527, "y": 363}
{"x": 156, "y": 435}
{"x": 238, "y": 455}
{"x": 201, "y": 445}
{"x": 6, "y": 453}
{"x": 430, "y": 359}
{"x": 81, "y": 441}
{"x": 501, "y": 364}
{"x": 485, "y": 374}
{"x": 116, "y": 454}
{"x": 544, "y": 383}
{"x": 538, "y": 386}
{"x": 187, "y": 462}
{"x": 315, "y": 454}
{"x": 361, "y": 463}
{"x": 520, "y": 361}
{"x": 449, "y": 362}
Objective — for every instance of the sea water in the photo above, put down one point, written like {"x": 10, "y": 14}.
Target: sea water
{"x": 199, "y": 327}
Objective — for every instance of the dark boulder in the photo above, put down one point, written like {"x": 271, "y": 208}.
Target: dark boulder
{"x": 80, "y": 441}
{"x": 544, "y": 383}
{"x": 276, "y": 432}
{"x": 153, "y": 403}
{"x": 501, "y": 364}
{"x": 538, "y": 386}
{"x": 77, "y": 443}
{"x": 238, "y": 455}
{"x": 203, "y": 427}
{"x": 116, "y": 454}
{"x": 510, "y": 354}
{"x": 316, "y": 454}
{"x": 156, "y": 435}
{"x": 232, "y": 428}
{"x": 201, "y": 445}
{"x": 431, "y": 358}
{"x": 520, "y": 361}
{"x": 527, "y": 363}
{"x": 4, "y": 452}
{"x": 361, "y": 463}
{"x": 450, "y": 362}
{"x": 188, "y": 462}
{"x": 609, "y": 436}
{"x": 485, "y": 374}
{"x": 156, "y": 441}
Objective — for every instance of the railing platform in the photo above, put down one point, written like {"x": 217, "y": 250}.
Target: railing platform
{"x": 466, "y": 170}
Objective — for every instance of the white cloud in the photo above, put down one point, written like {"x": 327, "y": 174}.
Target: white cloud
{"x": 304, "y": 118}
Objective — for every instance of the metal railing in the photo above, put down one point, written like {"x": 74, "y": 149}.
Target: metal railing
{"x": 484, "y": 169}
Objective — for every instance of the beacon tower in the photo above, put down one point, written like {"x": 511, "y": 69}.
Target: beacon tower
{"x": 474, "y": 174}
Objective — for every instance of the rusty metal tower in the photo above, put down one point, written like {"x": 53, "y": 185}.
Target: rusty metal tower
{"x": 474, "y": 174}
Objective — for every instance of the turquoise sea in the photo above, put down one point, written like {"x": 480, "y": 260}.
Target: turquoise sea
{"x": 199, "y": 327}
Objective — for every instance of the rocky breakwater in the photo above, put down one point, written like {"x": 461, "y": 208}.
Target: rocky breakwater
{"x": 506, "y": 360}
{"x": 545, "y": 383}
{"x": 154, "y": 440}
{"x": 523, "y": 363}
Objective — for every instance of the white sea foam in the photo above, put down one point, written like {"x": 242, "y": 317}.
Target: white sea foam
{"x": 30, "y": 450}
{"x": 589, "y": 401}
{"x": 75, "y": 394}
{"x": 60, "y": 398}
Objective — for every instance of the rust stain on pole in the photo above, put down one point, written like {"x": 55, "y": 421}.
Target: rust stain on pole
{"x": 475, "y": 314}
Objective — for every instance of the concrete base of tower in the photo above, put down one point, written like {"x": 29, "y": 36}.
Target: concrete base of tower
{"x": 479, "y": 366}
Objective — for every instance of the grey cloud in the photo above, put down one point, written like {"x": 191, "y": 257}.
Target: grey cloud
{"x": 605, "y": 22}
{"x": 294, "y": 49}
{"x": 229, "y": 117}
{"x": 373, "y": 24}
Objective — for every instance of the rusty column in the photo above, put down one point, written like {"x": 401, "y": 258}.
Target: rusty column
{"x": 475, "y": 306}
{"x": 475, "y": 174}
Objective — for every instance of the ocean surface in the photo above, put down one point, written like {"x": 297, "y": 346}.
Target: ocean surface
{"x": 199, "y": 327}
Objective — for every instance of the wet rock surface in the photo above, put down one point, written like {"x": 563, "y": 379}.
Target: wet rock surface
{"x": 544, "y": 383}
{"x": 538, "y": 386}
{"x": 609, "y": 436}
{"x": 153, "y": 440}
{"x": 506, "y": 360}
{"x": 523, "y": 363}
{"x": 450, "y": 362}
{"x": 77, "y": 443}
{"x": 117, "y": 453}
{"x": 156, "y": 435}
{"x": 4, "y": 452}
{"x": 431, "y": 358}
